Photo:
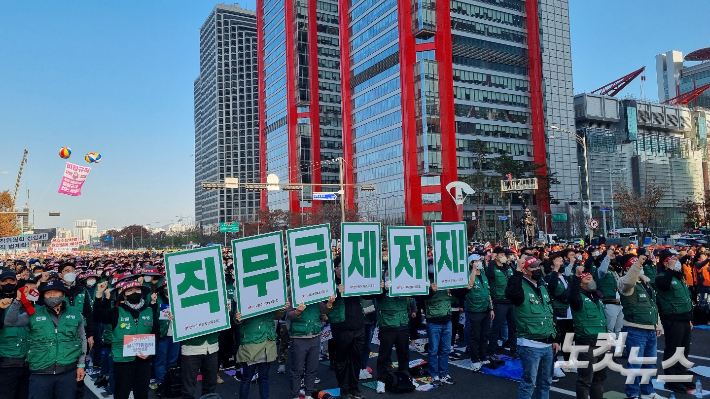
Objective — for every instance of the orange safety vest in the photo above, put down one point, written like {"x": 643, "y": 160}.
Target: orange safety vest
{"x": 702, "y": 274}
{"x": 688, "y": 275}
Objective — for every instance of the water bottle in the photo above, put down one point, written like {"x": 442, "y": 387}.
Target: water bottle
{"x": 698, "y": 389}
{"x": 672, "y": 396}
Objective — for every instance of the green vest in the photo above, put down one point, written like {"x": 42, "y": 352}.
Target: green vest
{"x": 128, "y": 326}
{"x": 106, "y": 336}
{"x": 558, "y": 305}
{"x": 14, "y": 342}
{"x": 500, "y": 281}
{"x": 49, "y": 344}
{"x": 639, "y": 307}
{"x": 651, "y": 272}
{"x": 79, "y": 300}
{"x": 439, "y": 305}
{"x": 211, "y": 339}
{"x": 478, "y": 298}
{"x": 676, "y": 300}
{"x": 337, "y": 314}
{"x": 590, "y": 320}
{"x": 533, "y": 317}
{"x": 393, "y": 312}
{"x": 164, "y": 324}
{"x": 258, "y": 329}
{"x": 608, "y": 285}
{"x": 309, "y": 322}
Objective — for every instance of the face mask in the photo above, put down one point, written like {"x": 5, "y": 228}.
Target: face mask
{"x": 38, "y": 274}
{"x": 677, "y": 266}
{"x": 595, "y": 254}
{"x": 148, "y": 279}
{"x": 579, "y": 257}
{"x": 91, "y": 282}
{"x": 54, "y": 301}
{"x": 134, "y": 298}
{"x": 8, "y": 288}
{"x": 502, "y": 259}
{"x": 479, "y": 266}
{"x": 69, "y": 277}
{"x": 592, "y": 286}
{"x": 536, "y": 275}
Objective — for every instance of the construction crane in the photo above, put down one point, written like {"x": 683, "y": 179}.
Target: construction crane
{"x": 19, "y": 175}
{"x": 613, "y": 88}
{"x": 686, "y": 98}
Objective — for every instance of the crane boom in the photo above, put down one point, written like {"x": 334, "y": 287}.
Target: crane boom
{"x": 686, "y": 98}
{"x": 19, "y": 175}
{"x": 613, "y": 88}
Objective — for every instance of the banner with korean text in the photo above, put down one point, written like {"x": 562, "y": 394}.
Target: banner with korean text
{"x": 73, "y": 179}
{"x": 198, "y": 295}
{"x": 361, "y": 257}
{"x": 260, "y": 274}
{"x": 310, "y": 263}
{"x": 450, "y": 255}
{"x": 21, "y": 242}
{"x": 407, "y": 264}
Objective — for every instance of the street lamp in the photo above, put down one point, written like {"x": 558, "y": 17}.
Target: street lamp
{"x": 582, "y": 140}
{"x": 611, "y": 186}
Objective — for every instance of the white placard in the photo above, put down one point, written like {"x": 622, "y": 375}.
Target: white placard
{"x": 407, "y": 260}
{"x": 310, "y": 264}
{"x": 450, "y": 255}
{"x": 361, "y": 258}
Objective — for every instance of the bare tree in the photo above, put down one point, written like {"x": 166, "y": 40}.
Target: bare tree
{"x": 641, "y": 211}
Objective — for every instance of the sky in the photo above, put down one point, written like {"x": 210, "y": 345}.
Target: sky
{"x": 117, "y": 78}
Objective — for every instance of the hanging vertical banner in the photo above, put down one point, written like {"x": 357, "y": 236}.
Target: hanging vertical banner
{"x": 450, "y": 255}
{"x": 260, "y": 274}
{"x": 198, "y": 294}
{"x": 310, "y": 263}
{"x": 73, "y": 179}
{"x": 407, "y": 264}
{"x": 361, "y": 256}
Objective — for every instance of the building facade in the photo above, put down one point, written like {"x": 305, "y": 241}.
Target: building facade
{"x": 226, "y": 116}
{"x": 419, "y": 83}
{"x": 674, "y": 77}
{"x": 299, "y": 97}
{"x": 636, "y": 143}
{"x": 85, "y": 229}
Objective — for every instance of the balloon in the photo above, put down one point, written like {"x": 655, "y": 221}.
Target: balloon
{"x": 93, "y": 157}
{"x": 97, "y": 157}
{"x": 65, "y": 152}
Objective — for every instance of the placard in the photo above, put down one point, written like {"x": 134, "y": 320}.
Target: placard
{"x": 450, "y": 255}
{"x": 198, "y": 295}
{"x": 138, "y": 344}
{"x": 73, "y": 179}
{"x": 260, "y": 274}
{"x": 310, "y": 264}
{"x": 407, "y": 264}
{"x": 361, "y": 258}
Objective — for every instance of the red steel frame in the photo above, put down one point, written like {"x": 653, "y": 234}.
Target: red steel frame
{"x": 407, "y": 58}
{"x": 536, "y": 96}
{"x": 344, "y": 16}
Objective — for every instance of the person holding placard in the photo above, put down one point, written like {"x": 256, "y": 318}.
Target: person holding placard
{"x": 167, "y": 350}
{"x": 305, "y": 328}
{"x": 257, "y": 349}
{"x": 132, "y": 316}
{"x": 479, "y": 312}
{"x": 437, "y": 306}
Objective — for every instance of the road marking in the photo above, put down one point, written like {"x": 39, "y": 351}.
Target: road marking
{"x": 562, "y": 391}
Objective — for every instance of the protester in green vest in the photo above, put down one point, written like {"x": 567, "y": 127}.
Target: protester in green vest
{"x": 79, "y": 298}
{"x": 676, "y": 311}
{"x": 498, "y": 274}
{"x": 228, "y": 338}
{"x": 641, "y": 321}
{"x": 57, "y": 342}
{"x": 558, "y": 288}
{"x": 479, "y": 311}
{"x": 258, "y": 349}
{"x": 14, "y": 369}
{"x": 437, "y": 306}
{"x": 167, "y": 350}
{"x": 393, "y": 314}
{"x": 589, "y": 321}
{"x": 607, "y": 279}
{"x": 536, "y": 328}
{"x": 305, "y": 325}
{"x": 132, "y": 316}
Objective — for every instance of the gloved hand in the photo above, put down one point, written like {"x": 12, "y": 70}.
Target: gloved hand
{"x": 369, "y": 309}
{"x": 388, "y": 284}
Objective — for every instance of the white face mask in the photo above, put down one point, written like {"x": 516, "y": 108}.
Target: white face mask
{"x": 579, "y": 257}
{"x": 502, "y": 259}
{"x": 148, "y": 279}
{"x": 479, "y": 265}
{"x": 677, "y": 266}
{"x": 595, "y": 254}
{"x": 91, "y": 282}
{"x": 69, "y": 277}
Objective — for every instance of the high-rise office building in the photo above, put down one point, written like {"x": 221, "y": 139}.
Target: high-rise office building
{"x": 425, "y": 79}
{"x": 226, "y": 116}
{"x": 85, "y": 229}
{"x": 300, "y": 97}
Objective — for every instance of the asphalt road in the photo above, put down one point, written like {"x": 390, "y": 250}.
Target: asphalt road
{"x": 467, "y": 382}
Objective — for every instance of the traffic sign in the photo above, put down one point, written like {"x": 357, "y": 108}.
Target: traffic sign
{"x": 502, "y": 218}
{"x": 229, "y": 227}
{"x": 594, "y": 224}
{"x": 322, "y": 196}
{"x": 604, "y": 208}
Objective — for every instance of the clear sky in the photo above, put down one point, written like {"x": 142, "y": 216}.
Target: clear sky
{"x": 117, "y": 78}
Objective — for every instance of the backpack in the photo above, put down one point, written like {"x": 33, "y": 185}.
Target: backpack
{"x": 172, "y": 384}
{"x": 399, "y": 382}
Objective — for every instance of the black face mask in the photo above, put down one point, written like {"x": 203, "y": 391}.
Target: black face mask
{"x": 8, "y": 288}
{"x": 134, "y": 298}
{"x": 536, "y": 275}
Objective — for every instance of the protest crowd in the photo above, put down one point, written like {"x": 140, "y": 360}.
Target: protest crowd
{"x": 64, "y": 318}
